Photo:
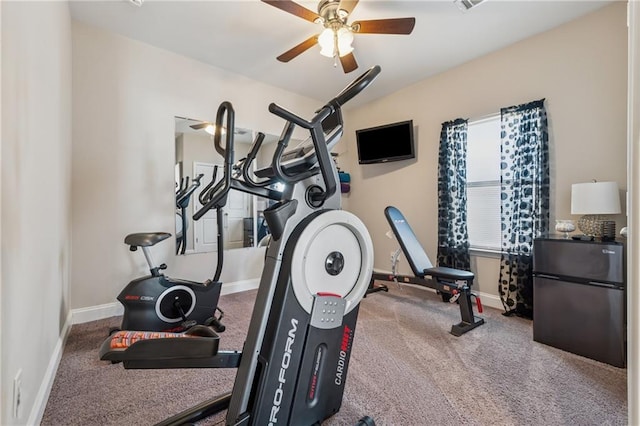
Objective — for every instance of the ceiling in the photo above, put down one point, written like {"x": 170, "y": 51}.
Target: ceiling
{"x": 246, "y": 36}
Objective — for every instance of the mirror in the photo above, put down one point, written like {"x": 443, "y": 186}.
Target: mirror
{"x": 195, "y": 164}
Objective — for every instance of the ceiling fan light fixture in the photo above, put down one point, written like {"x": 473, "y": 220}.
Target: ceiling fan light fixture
{"x": 345, "y": 38}
{"x": 326, "y": 42}
{"x": 211, "y": 129}
{"x": 335, "y": 43}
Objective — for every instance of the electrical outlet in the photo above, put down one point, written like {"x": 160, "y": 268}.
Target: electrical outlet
{"x": 17, "y": 395}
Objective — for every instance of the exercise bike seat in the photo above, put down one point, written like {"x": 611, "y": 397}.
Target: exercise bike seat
{"x": 145, "y": 239}
{"x": 449, "y": 273}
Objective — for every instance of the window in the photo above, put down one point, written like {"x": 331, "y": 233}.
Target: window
{"x": 483, "y": 183}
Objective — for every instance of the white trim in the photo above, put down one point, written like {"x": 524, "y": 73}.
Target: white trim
{"x": 490, "y": 300}
{"x": 238, "y": 286}
{"x": 40, "y": 403}
{"x": 94, "y": 313}
{"x": 482, "y": 252}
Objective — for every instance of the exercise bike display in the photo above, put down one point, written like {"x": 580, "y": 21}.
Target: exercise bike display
{"x": 294, "y": 362}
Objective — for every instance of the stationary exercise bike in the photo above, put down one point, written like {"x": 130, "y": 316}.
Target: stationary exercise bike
{"x": 294, "y": 362}
{"x": 157, "y": 302}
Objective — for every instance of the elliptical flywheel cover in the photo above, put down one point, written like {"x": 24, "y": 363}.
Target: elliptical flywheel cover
{"x": 334, "y": 254}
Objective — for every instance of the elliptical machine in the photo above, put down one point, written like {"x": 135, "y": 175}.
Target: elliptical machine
{"x": 183, "y": 198}
{"x": 293, "y": 366}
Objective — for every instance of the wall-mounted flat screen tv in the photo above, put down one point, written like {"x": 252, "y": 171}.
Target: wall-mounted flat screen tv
{"x": 381, "y": 144}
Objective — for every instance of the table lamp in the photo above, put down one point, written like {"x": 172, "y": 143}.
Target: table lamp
{"x": 593, "y": 200}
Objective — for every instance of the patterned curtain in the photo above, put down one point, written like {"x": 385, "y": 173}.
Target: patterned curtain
{"x": 524, "y": 179}
{"x": 453, "y": 240}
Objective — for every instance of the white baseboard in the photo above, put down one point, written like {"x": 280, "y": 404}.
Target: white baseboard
{"x": 490, "y": 300}
{"x": 94, "y": 313}
{"x": 238, "y": 286}
{"x": 40, "y": 403}
{"x": 108, "y": 310}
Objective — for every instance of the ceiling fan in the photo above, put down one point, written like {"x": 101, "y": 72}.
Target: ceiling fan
{"x": 336, "y": 37}
{"x": 210, "y": 128}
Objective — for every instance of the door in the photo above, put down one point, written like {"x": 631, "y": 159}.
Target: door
{"x": 205, "y": 230}
{"x": 235, "y": 211}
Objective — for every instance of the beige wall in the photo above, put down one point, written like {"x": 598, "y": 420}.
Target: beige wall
{"x": 36, "y": 199}
{"x": 580, "y": 68}
{"x": 125, "y": 97}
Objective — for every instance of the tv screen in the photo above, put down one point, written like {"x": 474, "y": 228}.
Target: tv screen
{"x": 391, "y": 142}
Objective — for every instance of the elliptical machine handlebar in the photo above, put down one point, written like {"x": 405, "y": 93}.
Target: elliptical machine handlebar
{"x": 317, "y": 135}
{"x": 218, "y": 195}
{"x": 246, "y": 164}
{"x": 182, "y": 198}
{"x": 206, "y": 193}
{"x": 356, "y": 86}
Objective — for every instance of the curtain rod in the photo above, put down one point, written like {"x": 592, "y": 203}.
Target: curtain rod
{"x": 484, "y": 117}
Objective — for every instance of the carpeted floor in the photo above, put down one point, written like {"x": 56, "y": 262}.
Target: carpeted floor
{"x": 406, "y": 369}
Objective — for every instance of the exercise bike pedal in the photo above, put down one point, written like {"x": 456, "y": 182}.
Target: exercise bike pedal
{"x": 216, "y": 325}
{"x": 186, "y": 325}
{"x": 215, "y": 322}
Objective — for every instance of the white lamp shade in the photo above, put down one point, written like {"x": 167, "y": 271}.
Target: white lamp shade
{"x": 595, "y": 198}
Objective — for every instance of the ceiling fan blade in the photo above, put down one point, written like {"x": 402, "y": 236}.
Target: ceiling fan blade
{"x": 295, "y": 51}
{"x": 348, "y": 63}
{"x": 199, "y": 126}
{"x": 294, "y": 9}
{"x": 385, "y": 26}
{"x": 347, "y": 5}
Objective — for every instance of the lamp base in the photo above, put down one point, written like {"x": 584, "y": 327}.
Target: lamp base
{"x": 597, "y": 226}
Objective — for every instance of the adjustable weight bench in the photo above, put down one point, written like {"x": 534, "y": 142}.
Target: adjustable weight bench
{"x": 453, "y": 284}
